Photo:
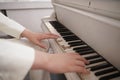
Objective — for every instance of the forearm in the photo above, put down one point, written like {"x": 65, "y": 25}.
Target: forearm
{"x": 10, "y": 27}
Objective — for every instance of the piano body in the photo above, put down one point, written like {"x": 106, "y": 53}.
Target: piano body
{"x": 91, "y": 28}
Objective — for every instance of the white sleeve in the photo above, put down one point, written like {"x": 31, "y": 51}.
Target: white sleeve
{"x": 16, "y": 60}
{"x": 10, "y": 27}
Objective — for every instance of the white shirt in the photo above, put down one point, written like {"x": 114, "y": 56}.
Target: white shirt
{"x": 16, "y": 59}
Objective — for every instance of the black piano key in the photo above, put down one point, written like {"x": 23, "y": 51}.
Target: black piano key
{"x": 56, "y": 24}
{"x": 66, "y": 33}
{"x": 92, "y": 57}
{"x": 85, "y": 52}
{"x": 71, "y": 38}
{"x": 101, "y": 66}
{"x": 115, "y": 75}
{"x": 62, "y": 30}
{"x": 60, "y": 27}
{"x": 78, "y": 43}
{"x": 96, "y": 61}
{"x": 82, "y": 48}
{"x": 105, "y": 71}
{"x": 54, "y": 76}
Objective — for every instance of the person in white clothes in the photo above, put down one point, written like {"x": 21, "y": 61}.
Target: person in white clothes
{"x": 15, "y": 62}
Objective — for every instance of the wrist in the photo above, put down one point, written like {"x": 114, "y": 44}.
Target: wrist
{"x": 26, "y": 33}
{"x": 40, "y": 61}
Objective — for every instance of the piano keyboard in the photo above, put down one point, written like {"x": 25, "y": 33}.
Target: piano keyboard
{"x": 100, "y": 68}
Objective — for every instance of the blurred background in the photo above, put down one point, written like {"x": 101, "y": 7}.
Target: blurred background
{"x": 27, "y": 12}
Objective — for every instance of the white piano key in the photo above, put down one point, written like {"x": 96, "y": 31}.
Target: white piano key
{"x": 90, "y": 76}
{"x": 108, "y": 74}
{"x": 87, "y": 55}
{"x": 79, "y": 46}
{"x": 95, "y": 59}
{"x": 90, "y": 65}
{"x": 69, "y": 50}
{"x": 51, "y": 28}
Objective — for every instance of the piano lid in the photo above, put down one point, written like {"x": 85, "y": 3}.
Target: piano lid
{"x": 109, "y": 8}
{"x": 97, "y": 22}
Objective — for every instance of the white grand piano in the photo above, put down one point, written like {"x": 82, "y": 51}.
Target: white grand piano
{"x": 92, "y": 29}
